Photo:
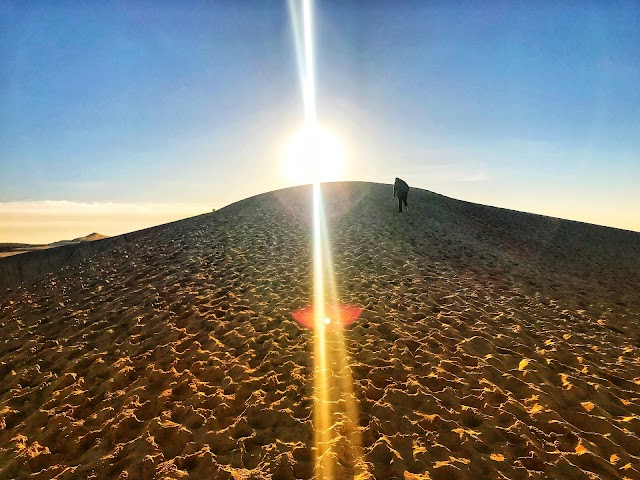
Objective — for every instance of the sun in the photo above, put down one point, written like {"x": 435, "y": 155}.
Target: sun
{"x": 314, "y": 155}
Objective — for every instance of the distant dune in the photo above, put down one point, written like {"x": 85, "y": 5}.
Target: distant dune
{"x": 9, "y": 249}
{"x": 90, "y": 238}
{"x": 492, "y": 344}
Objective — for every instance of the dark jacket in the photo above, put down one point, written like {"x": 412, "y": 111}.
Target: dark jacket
{"x": 400, "y": 188}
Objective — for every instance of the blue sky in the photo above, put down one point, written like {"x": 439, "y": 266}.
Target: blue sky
{"x": 185, "y": 106}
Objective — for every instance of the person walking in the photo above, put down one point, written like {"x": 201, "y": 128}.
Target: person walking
{"x": 401, "y": 189}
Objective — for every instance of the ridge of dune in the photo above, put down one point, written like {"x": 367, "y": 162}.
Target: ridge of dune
{"x": 11, "y": 249}
{"x": 91, "y": 237}
{"x": 492, "y": 344}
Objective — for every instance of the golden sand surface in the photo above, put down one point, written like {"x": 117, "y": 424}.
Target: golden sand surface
{"x": 492, "y": 344}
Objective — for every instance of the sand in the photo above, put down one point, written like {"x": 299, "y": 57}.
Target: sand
{"x": 10, "y": 249}
{"x": 492, "y": 344}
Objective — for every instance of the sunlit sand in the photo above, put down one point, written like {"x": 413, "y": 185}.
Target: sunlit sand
{"x": 491, "y": 344}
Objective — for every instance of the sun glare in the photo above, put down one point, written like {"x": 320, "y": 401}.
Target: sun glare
{"x": 314, "y": 155}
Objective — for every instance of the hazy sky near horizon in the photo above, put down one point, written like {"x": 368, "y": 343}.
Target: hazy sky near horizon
{"x": 127, "y": 114}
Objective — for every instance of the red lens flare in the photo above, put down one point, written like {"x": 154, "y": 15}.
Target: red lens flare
{"x": 336, "y": 316}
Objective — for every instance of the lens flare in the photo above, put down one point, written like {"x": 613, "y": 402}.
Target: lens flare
{"x": 316, "y": 156}
{"x": 302, "y": 21}
{"x": 338, "y": 316}
{"x": 338, "y": 449}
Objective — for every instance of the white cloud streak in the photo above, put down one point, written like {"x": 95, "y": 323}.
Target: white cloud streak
{"x": 64, "y": 207}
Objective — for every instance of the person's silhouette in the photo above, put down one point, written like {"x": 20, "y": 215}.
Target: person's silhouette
{"x": 401, "y": 189}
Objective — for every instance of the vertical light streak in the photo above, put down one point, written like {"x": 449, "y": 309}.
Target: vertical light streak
{"x": 321, "y": 413}
{"x": 332, "y": 379}
{"x": 344, "y": 402}
{"x": 309, "y": 87}
{"x": 336, "y": 428}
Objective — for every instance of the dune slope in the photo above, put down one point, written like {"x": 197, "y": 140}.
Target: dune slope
{"x": 492, "y": 344}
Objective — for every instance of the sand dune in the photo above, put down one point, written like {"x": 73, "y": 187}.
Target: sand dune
{"x": 492, "y": 344}
{"x": 9, "y": 249}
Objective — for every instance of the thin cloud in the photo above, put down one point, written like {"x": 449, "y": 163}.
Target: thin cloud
{"x": 446, "y": 164}
{"x": 476, "y": 177}
{"x": 64, "y": 207}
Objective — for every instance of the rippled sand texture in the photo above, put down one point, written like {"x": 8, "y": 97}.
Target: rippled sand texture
{"x": 493, "y": 344}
